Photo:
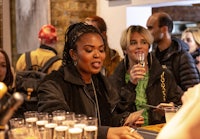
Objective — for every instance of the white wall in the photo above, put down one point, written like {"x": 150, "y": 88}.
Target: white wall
{"x": 6, "y": 29}
{"x": 118, "y": 17}
{"x": 115, "y": 18}
{"x": 119, "y": 14}
{"x": 137, "y": 15}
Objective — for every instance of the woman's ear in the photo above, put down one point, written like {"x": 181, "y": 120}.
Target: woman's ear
{"x": 73, "y": 54}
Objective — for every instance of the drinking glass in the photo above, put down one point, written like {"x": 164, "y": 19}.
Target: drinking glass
{"x": 49, "y": 130}
{"x": 22, "y": 133}
{"x": 16, "y": 122}
{"x": 169, "y": 113}
{"x": 18, "y": 133}
{"x": 31, "y": 118}
{"x": 141, "y": 58}
{"x": 42, "y": 120}
{"x": 40, "y": 123}
{"x": 69, "y": 115}
{"x": 58, "y": 116}
{"x": 80, "y": 120}
{"x": 75, "y": 133}
{"x": 61, "y": 132}
{"x": 69, "y": 119}
{"x": 90, "y": 130}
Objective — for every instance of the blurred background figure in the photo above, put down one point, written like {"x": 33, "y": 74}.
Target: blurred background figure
{"x": 6, "y": 71}
{"x": 47, "y": 49}
{"x": 6, "y": 78}
{"x": 191, "y": 36}
{"x": 172, "y": 52}
{"x": 112, "y": 56}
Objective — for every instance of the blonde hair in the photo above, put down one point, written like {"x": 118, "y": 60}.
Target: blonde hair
{"x": 126, "y": 35}
{"x": 195, "y": 33}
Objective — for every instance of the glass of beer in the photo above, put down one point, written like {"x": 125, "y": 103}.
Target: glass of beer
{"x": 49, "y": 130}
{"x": 58, "y": 116}
{"x": 16, "y": 122}
{"x": 169, "y": 113}
{"x": 61, "y": 132}
{"x": 90, "y": 130}
{"x": 42, "y": 120}
{"x": 75, "y": 133}
{"x": 69, "y": 119}
{"x": 31, "y": 118}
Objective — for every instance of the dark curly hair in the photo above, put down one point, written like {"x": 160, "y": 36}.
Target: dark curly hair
{"x": 73, "y": 33}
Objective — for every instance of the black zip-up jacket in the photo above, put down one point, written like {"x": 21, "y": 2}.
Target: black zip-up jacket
{"x": 180, "y": 62}
{"x": 153, "y": 91}
{"x": 65, "y": 90}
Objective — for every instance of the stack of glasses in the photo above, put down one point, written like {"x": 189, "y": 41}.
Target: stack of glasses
{"x": 59, "y": 125}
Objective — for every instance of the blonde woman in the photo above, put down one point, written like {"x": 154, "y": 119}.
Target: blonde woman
{"x": 146, "y": 83}
{"x": 191, "y": 36}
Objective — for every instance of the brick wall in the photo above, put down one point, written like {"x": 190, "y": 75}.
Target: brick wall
{"x": 63, "y": 13}
{"x": 66, "y": 12}
{"x": 181, "y": 13}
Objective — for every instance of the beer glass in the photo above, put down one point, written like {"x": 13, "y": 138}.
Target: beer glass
{"x": 30, "y": 118}
{"x": 69, "y": 119}
{"x": 49, "y": 130}
{"x": 61, "y": 132}
{"x": 75, "y": 133}
{"x": 58, "y": 116}
{"x": 90, "y": 130}
{"x": 16, "y": 122}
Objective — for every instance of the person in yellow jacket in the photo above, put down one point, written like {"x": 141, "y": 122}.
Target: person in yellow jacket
{"x": 48, "y": 39}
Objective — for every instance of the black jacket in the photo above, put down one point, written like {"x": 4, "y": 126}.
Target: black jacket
{"x": 153, "y": 91}
{"x": 65, "y": 90}
{"x": 180, "y": 62}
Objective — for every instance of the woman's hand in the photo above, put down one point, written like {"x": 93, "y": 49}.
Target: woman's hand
{"x": 139, "y": 122}
{"x": 123, "y": 132}
{"x": 162, "y": 106}
{"x": 137, "y": 72}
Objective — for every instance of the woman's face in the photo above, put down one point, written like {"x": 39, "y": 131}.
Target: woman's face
{"x": 138, "y": 44}
{"x": 188, "y": 38}
{"x": 2, "y": 67}
{"x": 90, "y": 53}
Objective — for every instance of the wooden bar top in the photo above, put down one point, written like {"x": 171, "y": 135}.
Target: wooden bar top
{"x": 155, "y": 128}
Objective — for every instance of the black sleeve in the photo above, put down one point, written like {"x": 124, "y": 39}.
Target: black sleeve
{"x": 51, "y": 97}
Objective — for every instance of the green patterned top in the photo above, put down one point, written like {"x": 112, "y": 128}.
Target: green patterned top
{"x": 141, "y": 94}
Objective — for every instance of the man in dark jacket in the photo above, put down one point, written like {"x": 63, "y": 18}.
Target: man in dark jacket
{"x": 172, "y": 52}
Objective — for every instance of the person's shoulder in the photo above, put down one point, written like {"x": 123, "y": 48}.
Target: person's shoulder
{"x": 56, "y": 73}
{"x": 181, "y": 44}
